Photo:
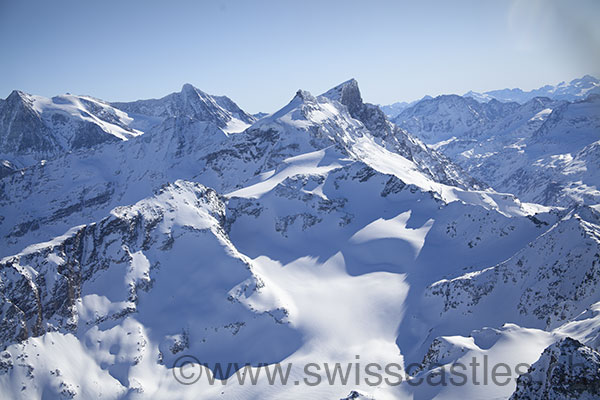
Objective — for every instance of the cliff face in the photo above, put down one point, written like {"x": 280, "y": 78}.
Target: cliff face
{"x": 566, "y": 370}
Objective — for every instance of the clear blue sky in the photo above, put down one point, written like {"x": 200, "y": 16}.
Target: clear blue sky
{"x": 260, "y": 52}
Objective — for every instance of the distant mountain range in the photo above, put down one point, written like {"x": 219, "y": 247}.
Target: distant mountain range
{"x": 577, "y": 89}
{"x": 543, "y": 151}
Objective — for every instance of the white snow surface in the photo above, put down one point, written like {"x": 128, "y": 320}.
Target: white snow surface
{"x": 304, "y": 237}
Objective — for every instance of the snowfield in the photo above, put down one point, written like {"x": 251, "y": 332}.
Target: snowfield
{"x": 319, "y": 238}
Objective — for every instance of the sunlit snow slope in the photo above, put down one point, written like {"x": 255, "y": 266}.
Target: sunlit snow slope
{"x": 320, "y": 234}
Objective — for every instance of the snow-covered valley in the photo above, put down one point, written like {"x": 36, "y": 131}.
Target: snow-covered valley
{"x": 322, "y": 234}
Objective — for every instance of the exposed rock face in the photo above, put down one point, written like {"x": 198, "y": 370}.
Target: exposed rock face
{"x": 330, "y": 234}
{"x": 34, "y": 128}
{"x": 541, "y": 283}
{"x": 21, "y": 129}
{"x": 567, "y": 370}
{"x": 41, "y": 286}
{"x": 430, "y": 161}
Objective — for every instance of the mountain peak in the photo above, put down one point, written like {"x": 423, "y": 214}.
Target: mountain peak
{"x": 303, "y": 95}
{"x": 346, "y": 93}
{"x": 188, "y": 88}
{"x": 350, "y": 83}
{"x": 585, "y": 78}
{"x": 16, "y": 95}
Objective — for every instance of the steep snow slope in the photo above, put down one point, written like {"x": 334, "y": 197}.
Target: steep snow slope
{"x": 131, "y": 292}
{"x": 83, "y": 186}
{"x": 550, "y": 285}
{"x": 333, "y": 236}
{"x": 320, "y": 243}
{"x": 432, "y": 163}
{"x": 541, "y": 285}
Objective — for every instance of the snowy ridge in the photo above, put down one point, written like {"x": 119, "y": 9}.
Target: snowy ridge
{"x": 146, "y": 251}
{"x": 192, "y": 103}
{"x": 184, "y": 148}
{"x": 317, "y": 234}
{"x": 33, "y": 128}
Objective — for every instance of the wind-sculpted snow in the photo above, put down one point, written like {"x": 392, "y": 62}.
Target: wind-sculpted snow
{"x": 320, "y": 234}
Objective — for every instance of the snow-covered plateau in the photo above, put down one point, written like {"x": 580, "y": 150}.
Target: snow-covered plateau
{"x": 182, "y": 248}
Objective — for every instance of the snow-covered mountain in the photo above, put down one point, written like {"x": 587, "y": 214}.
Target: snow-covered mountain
{"x": 542, "y": 151}
{"x": 438, "y": 119}
{"x": 191, "y": 103}
{"x": 84, "y": 186}
{"x": 322, "y": 233}
{"x": 35, "y": 128}
{"x": 577, "y": 89}
{"x": 392, "y": 110}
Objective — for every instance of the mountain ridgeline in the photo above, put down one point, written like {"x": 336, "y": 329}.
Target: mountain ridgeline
{"x": 542, "y": 150}
{"x": 134, "y": 234}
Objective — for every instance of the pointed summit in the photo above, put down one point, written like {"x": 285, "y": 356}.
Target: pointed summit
{"x": 193, "y": 103}
{"x": 187, "y": 87}
{"x": 303, "y": 95}
{"x": 188, "y": 90}
{"x": 346, "y": 93}
{"x": 16, "y": 96}
{"x": 370, "y": 115}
